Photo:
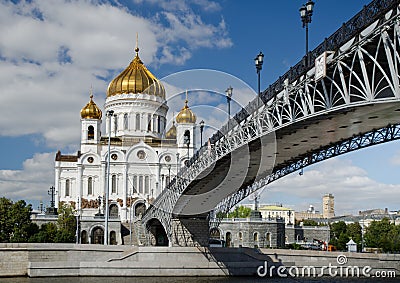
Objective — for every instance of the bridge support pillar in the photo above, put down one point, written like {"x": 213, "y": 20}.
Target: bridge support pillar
{"x": 190, "y": 231}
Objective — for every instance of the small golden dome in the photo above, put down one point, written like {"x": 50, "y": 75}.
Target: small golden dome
{"x": 91, "y": 111}
{"x": 186, "y": 115}
{"x": 171, "y": 134}
{"x": 136, "y": 79}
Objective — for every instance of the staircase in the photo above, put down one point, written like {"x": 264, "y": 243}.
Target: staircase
{"x": 138, "y": 233}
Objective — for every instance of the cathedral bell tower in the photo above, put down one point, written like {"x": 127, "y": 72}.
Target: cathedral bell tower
{"x": 90, "y": 126}
{"x": 185, "y": 131}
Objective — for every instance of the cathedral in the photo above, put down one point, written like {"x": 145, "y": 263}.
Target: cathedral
{"x": 142, "y": 155}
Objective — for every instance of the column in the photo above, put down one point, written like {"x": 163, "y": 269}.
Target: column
{"x": 124, "y": 192}
{"x": 57, "y": 186}
{"x": 79, "y": 186}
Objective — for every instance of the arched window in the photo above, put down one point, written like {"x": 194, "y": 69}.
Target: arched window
{"x": 186, "y": 138}
{"x": 255, "y": 237}
{"x": 137, "y": 128}
{"x": 125, "y": 121}
{"x": 113, "y": 238}
{"x": 90, "y": 134}
{"x": 84, "y": 238}
{"x": 159, "y": 129}
{"x": 67, "y": 188}
{"x": 240, "y": 236}
{"x": 114, "y": 184}
{"x": 90, "y": 186}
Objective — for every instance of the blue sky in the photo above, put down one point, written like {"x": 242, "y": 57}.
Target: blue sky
{"x": 51, "y": 54}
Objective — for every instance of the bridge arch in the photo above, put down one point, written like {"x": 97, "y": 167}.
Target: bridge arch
{"x": 157, "y": 233}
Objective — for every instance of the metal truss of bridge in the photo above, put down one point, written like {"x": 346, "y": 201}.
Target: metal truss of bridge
{"x": 348, "y": 100}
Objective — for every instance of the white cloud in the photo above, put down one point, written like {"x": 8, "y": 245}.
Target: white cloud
{"x": 55, "y": 50}
{"x": 352, "y": 188}
{"x": 29, "y": 183}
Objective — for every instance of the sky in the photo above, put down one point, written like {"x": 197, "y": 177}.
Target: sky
{"x": 53, "y": 52}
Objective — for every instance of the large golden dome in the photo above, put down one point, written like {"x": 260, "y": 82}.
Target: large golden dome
{"x": 136, "y": 79}
{"x": 91, "y": 111}
{"x": 186, "y": 115}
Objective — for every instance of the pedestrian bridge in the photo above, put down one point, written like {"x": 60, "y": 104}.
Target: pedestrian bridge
{"x": 347, "y": 99}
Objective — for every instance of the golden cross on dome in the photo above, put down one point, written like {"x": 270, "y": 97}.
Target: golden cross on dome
{"x": 137, "y": 43}
{"x": 91, "y": 91}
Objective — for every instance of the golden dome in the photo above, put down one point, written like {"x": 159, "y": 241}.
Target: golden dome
{"x": 91, "y": 111}
{"x": 136, "y": 79}
{"x": 186, "y": 115}
{"x": 171, "y": 134}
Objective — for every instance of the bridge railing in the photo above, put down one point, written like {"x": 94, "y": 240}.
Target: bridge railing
{"x": 348, "y": 30}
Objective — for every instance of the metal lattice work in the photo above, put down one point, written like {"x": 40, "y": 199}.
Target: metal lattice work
{"x": 387, "y": 134}
{"x": 361, "y": 71}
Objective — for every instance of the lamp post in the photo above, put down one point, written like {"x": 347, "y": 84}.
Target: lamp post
{"x": 259, "y": 60}
{"x": 306, "y": 12}
{"x": 109, "y": 115}
{"x": 228, "y": 92}
{"x": 201, "y": 133}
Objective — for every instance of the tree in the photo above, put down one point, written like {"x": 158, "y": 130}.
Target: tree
{"x": 66, "y": 224}
{"x": 382, "y": 234}
{"x": 240, "y": 212}
{"x": 15, "y": 221}
{"x": 46, "y": 234}
{"x": 310, "y": 222}
{"x": 354, "y": 232}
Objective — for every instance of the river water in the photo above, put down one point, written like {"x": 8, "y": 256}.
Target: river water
{"x": 189, "y": 280}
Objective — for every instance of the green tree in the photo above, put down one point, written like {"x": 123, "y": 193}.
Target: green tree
{"x": 382, "y": 234}
{"x": 66, "y": 224}
{"x": 310, "y": 222}
{"x": 15, "y": 221}
{"x": 353, "y": 230}
{"x": 46, "y": 234}
{"x": 240, "y": 212}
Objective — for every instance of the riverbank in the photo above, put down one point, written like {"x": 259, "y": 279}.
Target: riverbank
{"x": 52, "y": 260}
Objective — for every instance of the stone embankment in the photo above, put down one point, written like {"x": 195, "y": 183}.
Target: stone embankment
{"x": 42, "y": 260}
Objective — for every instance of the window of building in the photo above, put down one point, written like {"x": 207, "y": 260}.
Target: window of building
{"x": 155, "y": 129}
{"x": 125, "y": 121}
{"x": 90, "y": 186}
{"x": 159, "y": 129}
{"x": 90, "y": 133}
{"x": 255, "y": 237}
{"x": 115, "y": 123}
{"x": 67, "y": 188}
{"x": 134, "y": 189}
{"x": 147, "y": 185}
{"x": 140, "y": 184}
{"x": 137, "y": 128}
{"x": 240, "y": 236}
{"x": 114, "y": 184}
{"x": 149, "y": 122}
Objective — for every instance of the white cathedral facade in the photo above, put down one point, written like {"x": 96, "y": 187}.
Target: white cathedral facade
{"x": 144, "y": 157}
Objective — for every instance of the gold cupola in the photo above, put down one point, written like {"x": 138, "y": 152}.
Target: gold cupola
{"x": 136, "y": 79}
{"x": 91, "y": 111}
{"x": 186, "y": 115}
{"x": 171, "y": 134}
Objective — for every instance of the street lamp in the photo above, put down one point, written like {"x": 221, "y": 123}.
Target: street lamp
{"x": 109, "y": 114}
{"x": 228, "y": 92}
{"x": 259, "y": 60}
{"x": 177, "y": 164}
{"x": 306, "y": 12}
{"x": 201, "y": 133}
